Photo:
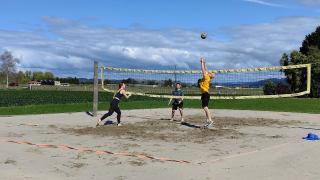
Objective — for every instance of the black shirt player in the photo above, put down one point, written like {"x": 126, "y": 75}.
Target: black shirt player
{"x": 114, "y": 105}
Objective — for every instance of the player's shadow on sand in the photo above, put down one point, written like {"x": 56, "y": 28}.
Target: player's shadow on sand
{"x": 300, "y": 127}
{"x": 190, "y": 125}
{"x": 108, "y": 122}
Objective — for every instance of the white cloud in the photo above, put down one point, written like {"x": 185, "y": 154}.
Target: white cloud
{"x": 310, "y": 2}
{"x": 265, "y": 3}
{"x": 75, "y": 46}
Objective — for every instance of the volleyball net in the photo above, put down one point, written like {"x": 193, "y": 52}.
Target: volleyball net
{"x": 246, "y": 83}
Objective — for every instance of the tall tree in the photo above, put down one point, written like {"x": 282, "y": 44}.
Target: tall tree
{"x": 284, "y": 61}
{"x": 28, "y": 74}
{"x": 8, "y": 65}
{"x": 297, "y": 78}
{"x": 22, "y": 77}
{"x": 38, "y": 75}
{"x": 309, "y": 53}
{"x": 311, "y": 43}
{"x": 48, "y": 76}
{"x": 311, "y": 48}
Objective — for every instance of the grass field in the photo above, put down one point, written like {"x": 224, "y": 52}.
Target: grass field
{"x": 26, "y": 97}
{"x": 280, "y": 105}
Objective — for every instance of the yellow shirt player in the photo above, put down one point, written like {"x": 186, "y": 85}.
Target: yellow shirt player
{"x": 204, "y": 85}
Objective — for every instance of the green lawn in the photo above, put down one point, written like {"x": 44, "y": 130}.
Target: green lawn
{"x": 25, "y": 97}
{"x": 281, "y": 105}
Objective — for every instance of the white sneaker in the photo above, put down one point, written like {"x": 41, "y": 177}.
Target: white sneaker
{"x": 171, "y": 119}
{"x": 208, "y": 124}
{"x": 119, "y": 124}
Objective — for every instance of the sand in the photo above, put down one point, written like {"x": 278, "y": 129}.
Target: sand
{"x": 244, "y": 145}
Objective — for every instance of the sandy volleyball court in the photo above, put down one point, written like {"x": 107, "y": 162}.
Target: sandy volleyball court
{"x": 244, "y": 145}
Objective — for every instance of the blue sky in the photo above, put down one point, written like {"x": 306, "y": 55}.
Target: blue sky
{"x": 200, "y": 14}
{"x": 67, "y": 35}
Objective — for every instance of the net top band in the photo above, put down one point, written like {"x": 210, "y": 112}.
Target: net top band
{"x": 214, "y": 71}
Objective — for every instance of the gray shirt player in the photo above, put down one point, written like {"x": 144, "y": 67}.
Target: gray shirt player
{"x": 177, "y": 92}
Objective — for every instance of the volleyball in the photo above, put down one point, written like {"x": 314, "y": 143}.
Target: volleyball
{"x": 204, "y": 35}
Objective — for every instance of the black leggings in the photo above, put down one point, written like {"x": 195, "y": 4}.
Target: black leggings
{"x": 113, "y": 108}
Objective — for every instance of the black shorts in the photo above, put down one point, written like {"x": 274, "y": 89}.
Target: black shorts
{"x": 176, "y": 105}
{"x": 205, "y": 98}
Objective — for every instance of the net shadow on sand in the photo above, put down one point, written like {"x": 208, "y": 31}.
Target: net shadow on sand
{"x": 300, "y": 127}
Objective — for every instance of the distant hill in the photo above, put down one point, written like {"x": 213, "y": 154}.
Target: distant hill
{"x": 255, "y": 84}
{"x": 85, "y": 80}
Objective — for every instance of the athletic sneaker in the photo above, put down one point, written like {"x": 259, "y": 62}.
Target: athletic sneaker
{"x": 119, "y": 124}
{"x": 98, "y": 123}
{"x": 208, "y": 124}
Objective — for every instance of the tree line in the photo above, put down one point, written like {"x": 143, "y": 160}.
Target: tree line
{"x": 309, "y": 53}
{"x": 9, "y": 73}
